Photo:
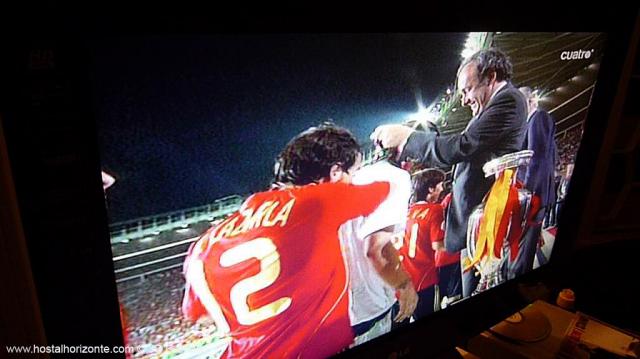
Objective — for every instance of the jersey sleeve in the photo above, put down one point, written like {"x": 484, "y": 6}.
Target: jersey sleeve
{"x": 393, "y": 211}
{"x": 192, "y": 307}
{"x": 348, "y": 201}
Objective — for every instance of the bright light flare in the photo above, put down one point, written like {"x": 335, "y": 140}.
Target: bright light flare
{"x": 422, "y": 116}
{"x": 473, "y": 44}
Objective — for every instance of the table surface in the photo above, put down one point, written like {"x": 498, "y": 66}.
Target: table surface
{"x": 487, "y": 345}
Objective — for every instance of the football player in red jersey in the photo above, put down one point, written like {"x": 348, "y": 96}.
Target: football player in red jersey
{"x": 272, "y": 275}
{"x": 422, "y": 236}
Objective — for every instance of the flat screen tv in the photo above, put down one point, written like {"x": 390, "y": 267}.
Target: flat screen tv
{"x": 232, "y": 222}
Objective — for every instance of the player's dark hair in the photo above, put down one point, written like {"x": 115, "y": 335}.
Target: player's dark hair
{"x": 309, "y": 156}
{"x": 488, "y": 61}
{"x": 424, "y": 180}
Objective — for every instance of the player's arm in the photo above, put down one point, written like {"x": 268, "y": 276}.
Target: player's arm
{"x": 386, "y": 261}
{"x": 202, "y": 290}
{"x": 384, "y": 257}
{"x": 398, "y": 240}
{"x": 438, "y": 246}
{"x": 198, "y": 291}
{"x": 495, "y": 122}
{"x": 354, "y": 200}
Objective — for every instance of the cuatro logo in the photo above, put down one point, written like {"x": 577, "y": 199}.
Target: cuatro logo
{"x": 576, "y": 55}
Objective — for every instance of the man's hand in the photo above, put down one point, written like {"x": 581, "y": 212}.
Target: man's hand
{"x": 438, "y": 246}
{"x": 391, "y": 136}
{"x": 408, "y": 300}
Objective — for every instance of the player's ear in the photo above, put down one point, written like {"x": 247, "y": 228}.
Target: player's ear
{"x": 493, "y": 77}
{"x": 335, "y": 173}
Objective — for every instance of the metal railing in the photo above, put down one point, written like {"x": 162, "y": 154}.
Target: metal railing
{"x": 123, "y": 232}
{"x": 134, "y": 230}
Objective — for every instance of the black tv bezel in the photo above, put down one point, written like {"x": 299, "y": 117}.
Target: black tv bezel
{"x": 71, "y": 260}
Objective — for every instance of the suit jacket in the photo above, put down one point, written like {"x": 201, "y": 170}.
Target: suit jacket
{"x": 539, "y": 176}
{"x": 499, "y": 129}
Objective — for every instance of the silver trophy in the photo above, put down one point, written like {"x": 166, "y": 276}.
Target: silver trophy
{"x": 492, "y": 270}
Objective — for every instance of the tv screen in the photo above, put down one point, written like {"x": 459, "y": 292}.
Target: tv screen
{"x": 302, "y": 194}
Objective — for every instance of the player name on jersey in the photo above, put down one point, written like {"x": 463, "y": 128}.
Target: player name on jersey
{"x": 267, "y": 214}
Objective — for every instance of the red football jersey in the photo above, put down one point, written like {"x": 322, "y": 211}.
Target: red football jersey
{"x": 276, "y": 270}
{"x": 424, "y": 227}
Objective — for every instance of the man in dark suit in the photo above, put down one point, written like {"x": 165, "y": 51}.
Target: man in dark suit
{"x": 538, "y": 177}
{"x": 497, "y": 128}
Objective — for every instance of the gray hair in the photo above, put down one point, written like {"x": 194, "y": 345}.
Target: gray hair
{"x": 488, "y": 61}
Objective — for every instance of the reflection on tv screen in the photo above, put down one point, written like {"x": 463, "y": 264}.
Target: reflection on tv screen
{"x": 298, "y": 195}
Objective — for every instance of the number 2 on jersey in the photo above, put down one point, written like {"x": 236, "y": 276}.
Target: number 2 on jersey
{"x": 266, "y": 252}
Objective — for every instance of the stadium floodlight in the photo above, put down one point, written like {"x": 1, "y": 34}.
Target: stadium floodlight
{"x": 473, "y": 44}
{"x": 466, "y": 53}
{"x": 423, "y": 116}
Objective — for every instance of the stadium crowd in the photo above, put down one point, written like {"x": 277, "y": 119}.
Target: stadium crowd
{"x": 568, "y": 147}
{"x": 152, "y": 307}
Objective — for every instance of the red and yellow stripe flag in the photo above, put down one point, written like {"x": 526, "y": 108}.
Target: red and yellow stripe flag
{"x": 496, "y": 216}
